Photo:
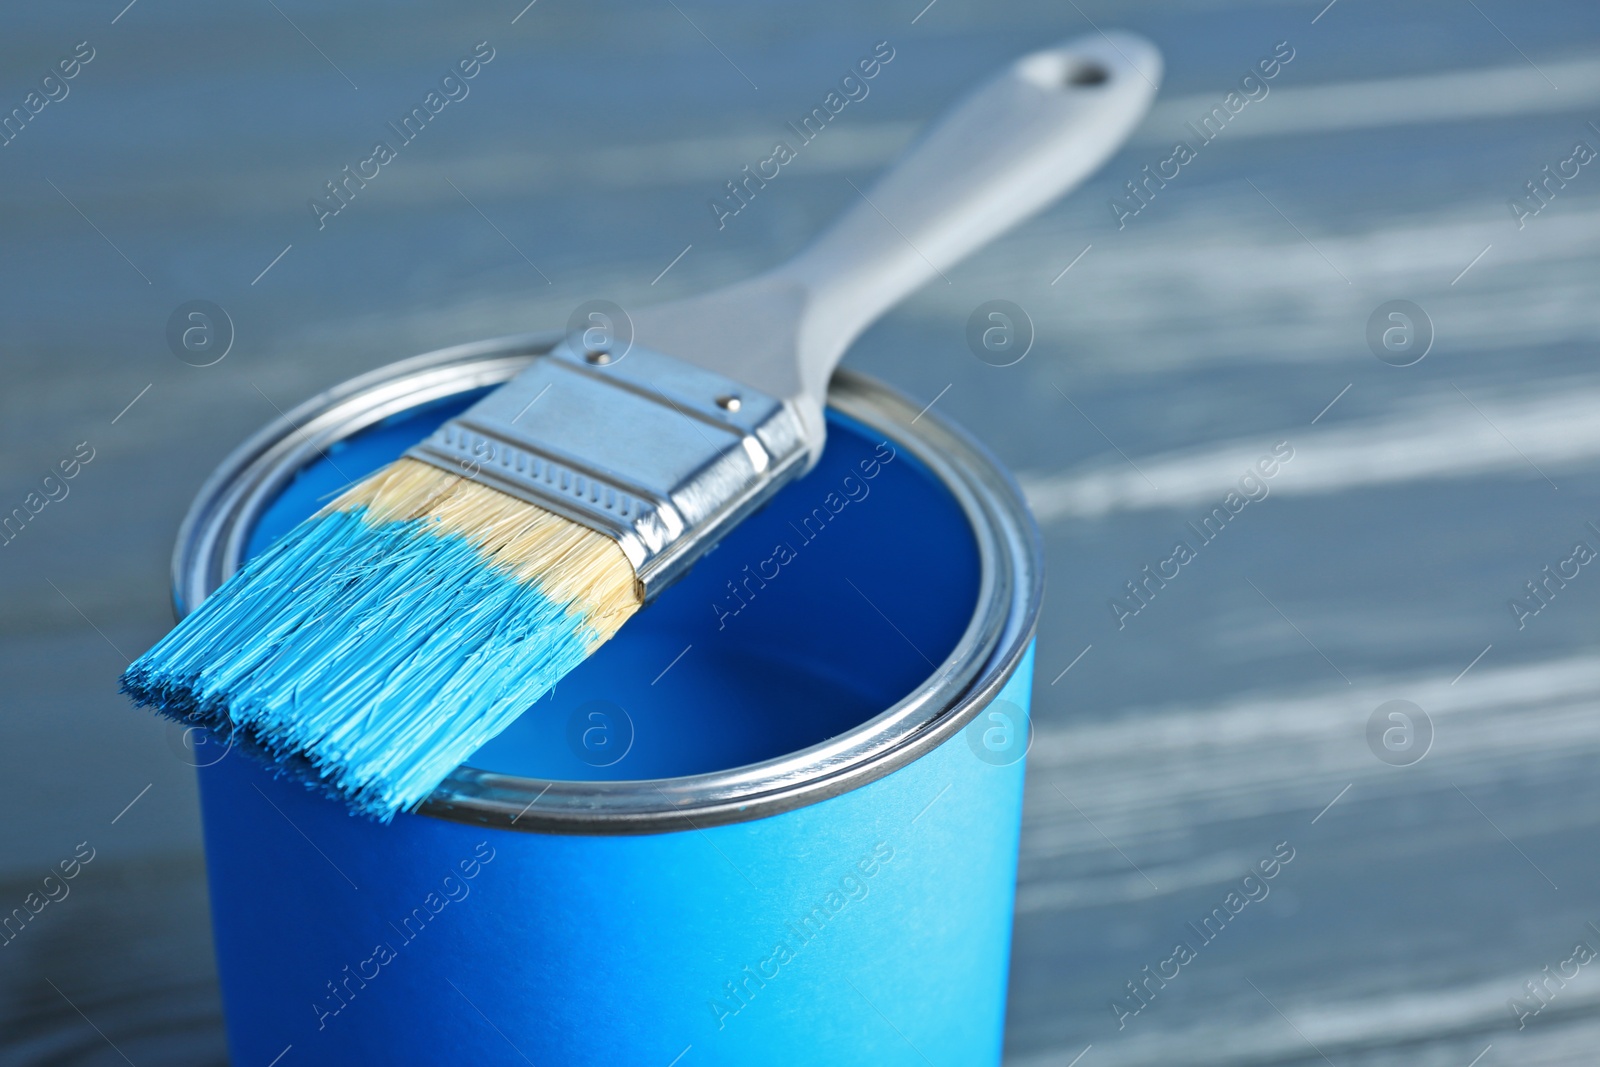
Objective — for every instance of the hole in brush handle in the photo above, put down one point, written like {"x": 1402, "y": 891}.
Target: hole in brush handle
{"x": 1083, "y": 73}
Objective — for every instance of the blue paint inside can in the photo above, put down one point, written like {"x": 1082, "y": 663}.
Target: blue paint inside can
{"x": 812, "y": 617}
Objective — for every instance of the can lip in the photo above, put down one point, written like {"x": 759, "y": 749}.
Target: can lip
{"x": 214, "y": 533}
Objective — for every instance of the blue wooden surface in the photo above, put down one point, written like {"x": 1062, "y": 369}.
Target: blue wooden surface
{"x": 1224, "y": 318}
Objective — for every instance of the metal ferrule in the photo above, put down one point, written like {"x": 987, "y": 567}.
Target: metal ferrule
{"x": 659, "y": 454}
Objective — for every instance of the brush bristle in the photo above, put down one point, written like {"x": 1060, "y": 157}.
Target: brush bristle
{"x": 379, "y": 643}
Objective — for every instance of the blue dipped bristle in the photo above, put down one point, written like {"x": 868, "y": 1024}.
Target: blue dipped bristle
{"x": 372, "y": 655}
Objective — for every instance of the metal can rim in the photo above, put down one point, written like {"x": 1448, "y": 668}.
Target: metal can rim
{"x": 215, "y": 532}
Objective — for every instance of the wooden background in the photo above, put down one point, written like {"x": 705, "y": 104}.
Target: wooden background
{"x": 1226, "y": 717}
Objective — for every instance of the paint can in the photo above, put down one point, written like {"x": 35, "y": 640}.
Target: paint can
{"x": 774, "y": 821}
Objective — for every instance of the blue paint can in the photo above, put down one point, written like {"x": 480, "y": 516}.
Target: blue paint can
{"x": 773, "y": 821}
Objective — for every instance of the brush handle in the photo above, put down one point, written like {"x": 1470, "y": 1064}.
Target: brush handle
{"x": 1013, "y": 146}
{"x": 724, "y": 400}
{"x": 1045, "y": 123}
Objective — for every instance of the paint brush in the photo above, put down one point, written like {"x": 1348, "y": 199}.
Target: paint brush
{"x": 378, "y": 644}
